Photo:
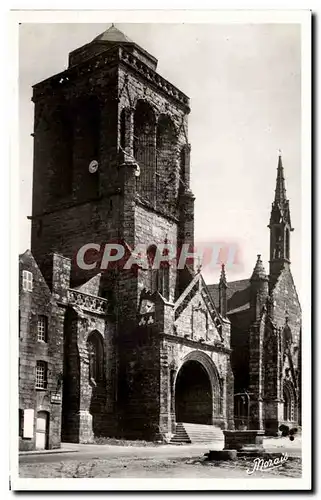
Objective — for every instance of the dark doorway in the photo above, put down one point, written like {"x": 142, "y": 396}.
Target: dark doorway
{"x": 193, "y": 394}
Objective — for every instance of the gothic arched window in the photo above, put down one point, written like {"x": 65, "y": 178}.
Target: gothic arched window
{"x": 278, "y": 243}
{"x": 287, "y": 335}
{"x": 145, "y": 149}
{"x": 166, "y": 161}
{"x": 288, "y": 404}
{"x": 96, "y": 358}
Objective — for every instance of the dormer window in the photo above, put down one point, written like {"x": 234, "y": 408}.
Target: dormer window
{"x": 27, "y": 279}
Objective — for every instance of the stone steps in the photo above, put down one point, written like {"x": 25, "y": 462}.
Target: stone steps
{"x": 180, "y": 435}
{"x": 196, "y": 433}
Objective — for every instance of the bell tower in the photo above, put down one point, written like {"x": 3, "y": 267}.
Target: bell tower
{"x": 111, "y": 159}
{"x": 280, "y": 227}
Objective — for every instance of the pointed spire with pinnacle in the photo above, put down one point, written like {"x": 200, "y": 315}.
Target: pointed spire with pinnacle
{"x": 259, "y": 273}
{"x": 280, "y": 192}
{"x": 280, "y": 227}
{"x": 259, "y": 289}
{"x": 222, "y": 286}
{"x": 223, "y": 276}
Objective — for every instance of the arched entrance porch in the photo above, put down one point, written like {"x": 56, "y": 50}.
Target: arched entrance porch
{"x": 193, "y": 394}
{"x": 197, "y": 390}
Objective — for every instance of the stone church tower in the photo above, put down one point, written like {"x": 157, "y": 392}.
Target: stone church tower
{"x": 144, "y": 348}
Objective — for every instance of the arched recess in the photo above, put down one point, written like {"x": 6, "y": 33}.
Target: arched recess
{"x": 182, "y": 170}
{"x": 125, "y": 130}
{"x": 145, "y": 149}
{"x": 96, "y": 358}
{"x": 166, "y": 159}
{"x": 198, "y": 390}
{"x": 289, "y": 402}
{"x": 97, "y": 381}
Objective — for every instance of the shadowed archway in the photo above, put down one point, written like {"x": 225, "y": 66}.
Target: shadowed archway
{"x": 193, "y": 394}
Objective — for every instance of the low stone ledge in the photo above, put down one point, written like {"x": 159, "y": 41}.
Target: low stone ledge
{"x": 248, "y": 441}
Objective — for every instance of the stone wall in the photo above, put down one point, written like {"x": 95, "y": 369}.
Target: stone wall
{"x": 286, "y": 303}
{"x": 88, "y": 406}
{"x": 285, "y": 313}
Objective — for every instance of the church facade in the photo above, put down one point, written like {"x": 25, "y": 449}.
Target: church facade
{"x": 133, "y": 352}
{"x": 265, "y": 316}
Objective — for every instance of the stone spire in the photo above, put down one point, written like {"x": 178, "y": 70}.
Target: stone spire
{"x": 280, "y": 205}
{"x": 222, "y": 286}
{"x": 223, "y": 276}
{"x": 259, "y": 273}
{"x": 280, "y": 227}
{"x": 280, "y": 192}
{"x": 259, "y": 288}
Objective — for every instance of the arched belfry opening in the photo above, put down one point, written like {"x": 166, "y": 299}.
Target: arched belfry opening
{"x": 145, "y": 149}
{"x": 193, "y": 394}
{"x": 287, "y": 243}
{"x": 166, "y": 161}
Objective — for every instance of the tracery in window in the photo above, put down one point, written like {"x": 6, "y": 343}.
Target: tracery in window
{"x": 145, "y": 149}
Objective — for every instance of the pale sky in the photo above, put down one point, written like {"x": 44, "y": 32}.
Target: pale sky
{"x": 244, "y": 87}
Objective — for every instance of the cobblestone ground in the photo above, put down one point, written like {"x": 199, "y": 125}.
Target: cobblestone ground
{"x": 133, "y": 468}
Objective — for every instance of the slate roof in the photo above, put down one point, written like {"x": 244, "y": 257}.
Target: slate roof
{"x": 238, "y": 295}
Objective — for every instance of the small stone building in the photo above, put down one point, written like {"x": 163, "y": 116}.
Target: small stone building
{"x": 41, "y": 326}
{"x": 265, "y": 317}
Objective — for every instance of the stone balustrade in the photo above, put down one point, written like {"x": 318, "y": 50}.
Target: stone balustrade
{"x": 92, "y": 303}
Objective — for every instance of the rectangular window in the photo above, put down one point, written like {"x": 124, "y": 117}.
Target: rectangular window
{"x": 27, "y": 281}
{"x": 42, "y": 328}
{"x": 41, "y": 375}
